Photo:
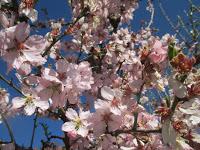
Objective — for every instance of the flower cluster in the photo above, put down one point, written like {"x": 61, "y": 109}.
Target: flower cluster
{"x": 102, "y": 80}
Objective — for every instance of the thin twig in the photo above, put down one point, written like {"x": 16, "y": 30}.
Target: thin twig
{"x": 10, "y": 83}
{"x": 117, "y": 132}
{"x": 34, "y": 128}
{"x": 169, "y": 21}
{"x": 5, "y": 142}
{"x": 46, "y": 52}
{"x": 56, "y": 137}
{"x": 81, "y": 51}
{"x": 152, "y": 16}
{"x": 138, "y": 102}
{"x": 12, "y": 139}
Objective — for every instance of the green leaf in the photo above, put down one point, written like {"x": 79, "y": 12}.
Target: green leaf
{"x": 172, "y": 51}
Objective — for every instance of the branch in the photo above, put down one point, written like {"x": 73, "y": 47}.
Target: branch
{"x": 81, "y": 51}
{"x": 197, "y": 57}
{"x": 138, "y": 102}
{"x": 10, "y": 83}
{"x": 5, "y": 142}
{"x": 46, "y": 52}
{"x": 152, "y": 15}
{"x": 117, "y": 132}
{"x": 56, "y": 137}
{"x": 175, "y": 103}
{"x": 34, "y": 128}
{"x": 66, "y": 141}
{"x": 83, "y": 13}
{"x": 170, "y": 22}
{"x": 9, "y": 129}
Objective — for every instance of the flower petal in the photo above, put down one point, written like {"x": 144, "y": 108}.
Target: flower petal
{"x": 18, "y": 102}
{"x": 22, "y": 31}
{"x": 83, "y": 131}
{"x": 68, "y": 126}
{"x": 29, "y": 109}
{"x": 71, "y": 114}
{"x": 107, "y": 93}
{"x": 44, "y": 105}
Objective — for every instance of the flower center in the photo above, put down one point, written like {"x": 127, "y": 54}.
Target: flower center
{"x": 78, "y": 123}
{"x": 29, "y": 100}
{"x": 106, "y": 117}
{"x": 55, "y": 32}
{"x": 61, "y": 76}
{"x": 20, "y": 46}
{"x": 115, "y": 102}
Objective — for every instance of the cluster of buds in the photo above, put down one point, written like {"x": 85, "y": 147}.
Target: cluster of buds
{"x": 183, "y": 63}
{"x": 179, "y": 126}
{"x": 164, "y": 112}
{"x": 28, "y": 3}
{"x": 194, "y": 89}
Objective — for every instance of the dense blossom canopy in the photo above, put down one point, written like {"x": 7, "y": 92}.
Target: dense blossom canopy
{"x": 112, "y": 68}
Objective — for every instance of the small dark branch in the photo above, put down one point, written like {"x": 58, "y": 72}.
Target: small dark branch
{"x": 56, "y": 137}
{"x": 34, "y": 128}
{"x": 81, "y": 51}
{"x": 47, "y": 50}
{"x": 9, "y": 129}
{"x": 74, "y": 141}
{"x": 138, "y": 102}
{"x": 83, "y": 13}
{"x": 135, "y": 121}
{"x": 117, "y": 132}
{"x": 197, "y": 57}
{"x": 66, "y": 141}
{"x": 175, "y": 103}
{"x": 10, "y": 83}
{"x": 5, "y": 142}
{"x": 120, "y": 65}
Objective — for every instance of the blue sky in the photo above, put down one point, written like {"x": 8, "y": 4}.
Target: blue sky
{"x": 22, "y": 125}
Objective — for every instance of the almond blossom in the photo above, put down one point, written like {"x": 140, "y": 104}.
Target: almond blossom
{"x": 159, "y": 52}
{"x": 77, "y": 124}
{"x": 19, "y": 48}
{"x": 111, "y": 86}
{"x": 114, "y": 97}
{"x": 30, "y": 103}
{"x": 26, "y": 7}
{"x": 103, "y": 119}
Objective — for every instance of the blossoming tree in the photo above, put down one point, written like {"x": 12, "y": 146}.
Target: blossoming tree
{"x": 113, "y": 69}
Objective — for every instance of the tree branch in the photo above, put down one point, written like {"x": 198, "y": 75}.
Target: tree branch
{"x": 10, "y": 83}
{"x": 130, "y": 131}
{"x": 34, "y": 128}
{"x": 9, "y": 129}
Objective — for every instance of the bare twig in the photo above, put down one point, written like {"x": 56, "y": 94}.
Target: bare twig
{"x": 47, "y": 50}
{"x": 9, "y": 129}
{"x": 138, "y": 102}
{"x": 169, "y": 21}
{"x": 117, "y": 132}
{"x": 152, "y": 15}
{"x": 34, "y": 128}
{"x": 10, "y": 83}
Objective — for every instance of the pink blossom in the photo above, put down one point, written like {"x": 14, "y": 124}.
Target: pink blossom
{"x": 30, "y": 103}
{"x": 17, "y": 47}
{"x": 103, "y": 118}
{"x": 77, "y": 122}
{"x": 158, "y": 53}
{"x": 114, "y": 97}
